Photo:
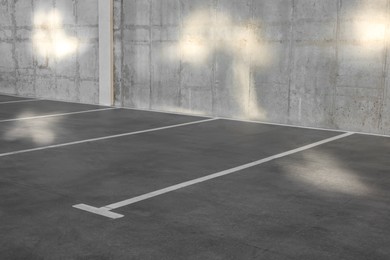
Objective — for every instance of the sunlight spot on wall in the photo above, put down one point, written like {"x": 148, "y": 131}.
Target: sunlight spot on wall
{"x": 370, "y": 28}
{"x": 194, "y": 50}
{"x": 50, "y": 39}
{"x": 372, "y": 31}
{"x": 203, "y": 36}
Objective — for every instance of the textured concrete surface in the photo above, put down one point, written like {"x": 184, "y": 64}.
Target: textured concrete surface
{"x": 40, "y": 108}
{"x": 125, "y": 167}
{"x": 330, "y": 202}
{"x": 316, "y": 63}
{"x": 38, "y": 132}
{"x": 24, "y": 71}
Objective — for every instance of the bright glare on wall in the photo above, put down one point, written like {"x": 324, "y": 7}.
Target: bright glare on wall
{"x": 50, "y": 39}
{"x": 371, "y": 31}
{"x": 203, "y": 36}
{"x": 371, "y": 28}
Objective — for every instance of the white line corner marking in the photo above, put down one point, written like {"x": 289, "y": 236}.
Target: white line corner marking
{"x": 106, "y": 210}
{"x": 103, "y": 211}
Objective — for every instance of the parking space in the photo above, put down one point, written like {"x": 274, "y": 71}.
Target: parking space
{"x": 274, "y": 191}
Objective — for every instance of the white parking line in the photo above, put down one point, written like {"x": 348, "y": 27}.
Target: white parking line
{"x": 303, "y": 127}
{"x": 19, "y": 101}
{"x": 106, "y": 210}
{"x": 99, "y": 211}
{"x": 105, "y": 137}
{"x": 54, "y": 115}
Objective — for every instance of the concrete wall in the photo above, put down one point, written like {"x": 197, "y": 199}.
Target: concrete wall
{"x": 319, "y": 63}
{"x": 71, "y": 73}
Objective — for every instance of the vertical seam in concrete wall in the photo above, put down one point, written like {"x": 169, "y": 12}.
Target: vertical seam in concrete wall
{"x": 334, "y": 94}
{"x": 291, "y": 57}
{"x": 14, "y": 40}
{"x": 34, "y": 61}
{"x": 251, "y": 80}
{"x": 78, "y": 74}
{"x": 56, "y": 65}
{"x": 181, "y": 60}
{"x": 121, "y": 28}
{"x": 117, "y": 66}
{"x": 111, "y": 14}
{"x": 214, "y": 84}
{"x": 150, "y": 54}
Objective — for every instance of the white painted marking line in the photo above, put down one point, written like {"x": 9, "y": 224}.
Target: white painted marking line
{"x": 19, "y": 101}
{"x": 54, "y": 115}
{"x": 104, "y": 138}
{"x": 149, "y": 195}
{"x": 301, "y": 127}
{"x": 99, "y": 211}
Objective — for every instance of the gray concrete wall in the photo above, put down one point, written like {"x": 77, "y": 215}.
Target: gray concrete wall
{"x": 320, "y": 63}
{"x": 72, "y": 75}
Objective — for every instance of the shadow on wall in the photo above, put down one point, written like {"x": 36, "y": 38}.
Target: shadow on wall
{"x": 50, "y": 39}
{"x": 203, "y": 36}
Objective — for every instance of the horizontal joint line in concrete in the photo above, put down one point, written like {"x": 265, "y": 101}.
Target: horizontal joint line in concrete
{"x": 54, "y": 115}
{"x": 103, "y": 210}
{"x": 104, "y": 138}
{"x": 18, "y": 101}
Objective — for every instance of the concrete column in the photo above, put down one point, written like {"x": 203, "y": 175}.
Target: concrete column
{"x": 106, "y": 77}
